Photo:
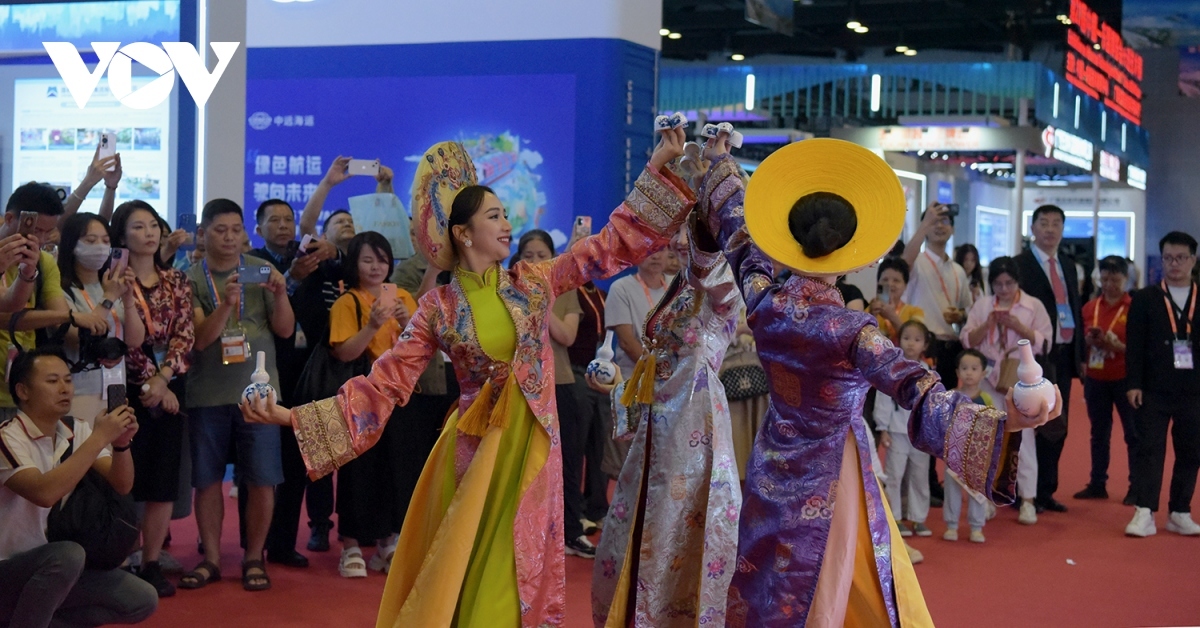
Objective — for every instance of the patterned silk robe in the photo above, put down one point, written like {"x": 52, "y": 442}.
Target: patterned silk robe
{"x": 677, "y": 498}
{"x": 333, "y": 431}
{"x": 820, "y": 360}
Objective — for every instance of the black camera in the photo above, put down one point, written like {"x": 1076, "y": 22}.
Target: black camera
{"x": 93, "y": 349}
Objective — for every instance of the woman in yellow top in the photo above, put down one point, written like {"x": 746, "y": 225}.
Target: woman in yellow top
{"x": 889, "y": 308}
{"x": 363, "y": 323}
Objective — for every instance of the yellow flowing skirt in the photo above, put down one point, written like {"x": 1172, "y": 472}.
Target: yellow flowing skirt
{"x": 455, "y": 563}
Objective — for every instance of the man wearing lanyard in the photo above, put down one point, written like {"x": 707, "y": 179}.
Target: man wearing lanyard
{"x": 1050, "y": 276}
{"x": 1104, "y": 387}
{"x": 629, "y": 301}
{"x": 1164, "y": 385}
{"x": 939, "y": 287}
{"x": 234, "y": 319}
{"x": 276, "y": 225}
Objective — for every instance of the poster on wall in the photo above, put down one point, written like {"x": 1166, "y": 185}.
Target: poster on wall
{"x": 992, "y": 236}
{"x": 518, "y": 129}
{"x": 1159, "y": 23}
{"x": 777, "y": 15}
{"x": 54, "y": 141}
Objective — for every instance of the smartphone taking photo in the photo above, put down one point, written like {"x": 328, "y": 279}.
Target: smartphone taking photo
{"x": 363, "y": 167}
{"x": 27, "y": 223}
{"x": 116, "y": 396}
{"x": 118, "y": 260}
{"x": 108, "y": 148}
{"x": 254, "y": 274}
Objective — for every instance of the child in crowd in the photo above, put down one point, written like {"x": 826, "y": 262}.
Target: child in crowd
{"x": 970, "y": 367}
{"x": 905, "y": 464}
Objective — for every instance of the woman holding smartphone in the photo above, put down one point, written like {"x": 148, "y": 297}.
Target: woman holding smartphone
{"x": 162, "y": 299}
{"x": 94, "y": 286}
{"x": 888, "y": 306}
{"x": 482, "y": 544}
{"x": 368, "y": 319}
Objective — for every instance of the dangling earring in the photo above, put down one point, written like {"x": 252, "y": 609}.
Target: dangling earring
{"x": 467, "y": 243}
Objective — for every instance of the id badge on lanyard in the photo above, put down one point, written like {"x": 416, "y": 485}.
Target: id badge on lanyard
{"x": 1183, "y": 355}
{"x": 234, "y": 346}
{"x": 1096, "y": 358}
{"x": 1066, "y": 318}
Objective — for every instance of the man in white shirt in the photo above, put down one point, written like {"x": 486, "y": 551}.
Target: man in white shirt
{"x": 629, "y": 302}
{"x": 43, "y": 582}
{"x": 939, "y": 286}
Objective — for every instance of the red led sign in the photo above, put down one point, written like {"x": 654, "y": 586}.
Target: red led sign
{"x": 1100, "y": 63}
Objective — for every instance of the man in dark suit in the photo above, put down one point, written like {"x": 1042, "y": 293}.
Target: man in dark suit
{"x": 1050, "y": 276}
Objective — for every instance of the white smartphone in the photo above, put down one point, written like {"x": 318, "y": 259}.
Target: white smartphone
{"x": 368, "y": 167}
{"x": 108, "y": 147}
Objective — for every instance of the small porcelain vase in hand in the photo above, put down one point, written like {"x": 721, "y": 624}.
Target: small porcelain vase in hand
{"x": 602, "y": 368}
{"x": 1031, "y": 387}
{"x": 259, "y": 387}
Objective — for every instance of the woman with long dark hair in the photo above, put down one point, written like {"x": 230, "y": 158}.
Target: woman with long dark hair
{"x": 482, "y": 543}
{"x": 967, "y": 256}
{"x": 162, "y": 298}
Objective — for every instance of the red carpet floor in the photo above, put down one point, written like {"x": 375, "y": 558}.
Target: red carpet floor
{"x": 1073, "y": 569}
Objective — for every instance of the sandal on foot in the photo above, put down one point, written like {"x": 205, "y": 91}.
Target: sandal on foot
{"x": 197, "y": 579}
{"x": 381, "y": 560}
{"x": 259, "y": 581}
{"x": 352, "y": 564}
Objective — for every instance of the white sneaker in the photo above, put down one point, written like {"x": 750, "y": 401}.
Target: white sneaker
{"x": 951, "y": 534}
{"x": 977, "y": 535}
{"x": 352, "y": 564}
{"x": 1028, "y": 514}
{"x": 1181, "y": 523}
{"x": 1143, "y": 523}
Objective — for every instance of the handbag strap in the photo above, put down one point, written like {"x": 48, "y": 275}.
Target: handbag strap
{"x": 70, "y": 421}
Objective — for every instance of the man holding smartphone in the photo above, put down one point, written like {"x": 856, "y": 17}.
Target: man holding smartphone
{"x": 32, "y": 276}
{"x": 276, "y": 225}
{"x": 939, "y": 286}
{"x": 233, "y": 321}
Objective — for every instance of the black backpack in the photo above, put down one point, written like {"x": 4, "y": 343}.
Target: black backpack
{"x": 96, "y": 517}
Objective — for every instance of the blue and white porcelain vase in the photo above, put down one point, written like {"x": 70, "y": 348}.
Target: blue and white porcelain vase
{"x": 260, "y": 387}
{"x": 1031, "y": 387}
{"x": 602, "y": 368}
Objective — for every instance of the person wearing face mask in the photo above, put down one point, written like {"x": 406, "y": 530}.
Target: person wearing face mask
{"x": 93, "y": 287}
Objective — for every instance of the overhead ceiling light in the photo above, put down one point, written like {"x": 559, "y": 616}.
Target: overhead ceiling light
{"x": 674, "y": 36}
{"x": 1053, "y": 183}
{"x": 921, "y": 152}
{"x": 933, "y": 155}
{"x": 738, "y": 57}
{"x": 945, "y": 156}
{"x": 861, "y": 29}
{"x": 664, "y": 31}
{"x": 902, "y": 48}
{"x": 910, "y": 53}
{"x": 1096, "y": 46}
{"x": 853, "y": 24}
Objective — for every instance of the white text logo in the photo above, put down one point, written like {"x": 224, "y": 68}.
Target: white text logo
{"x": 174, "y": 55}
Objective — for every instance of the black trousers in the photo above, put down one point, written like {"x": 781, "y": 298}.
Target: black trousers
{"x": 571, "y": 429}
{"x": 285, "y": 522}
{"x": 1051, "y": 437}
{"x": 1152, "y": 421}
{"x": 596, "y": 413}
{"x": 945, "y": 353}
{"x": 1101, "y": 397}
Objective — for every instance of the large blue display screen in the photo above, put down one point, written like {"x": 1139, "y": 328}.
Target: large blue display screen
{"x": 519, "y": 129}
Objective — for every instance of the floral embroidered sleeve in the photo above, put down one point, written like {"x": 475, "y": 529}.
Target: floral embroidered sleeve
{"x": 653, "y": 210}
{"x": 181, "y": 324}
{"x": 334, "y": 431}
{"x": 970, "y": 438}
{"x": 709, "y": 273}
{"x": 720, "y": 210}
{"x": 170, "y": 325}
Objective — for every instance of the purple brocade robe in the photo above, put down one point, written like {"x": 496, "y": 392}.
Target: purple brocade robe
{"x": 820, "y": 360}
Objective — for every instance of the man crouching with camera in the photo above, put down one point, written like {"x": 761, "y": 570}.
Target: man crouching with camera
{"x": 46, "y": 456}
